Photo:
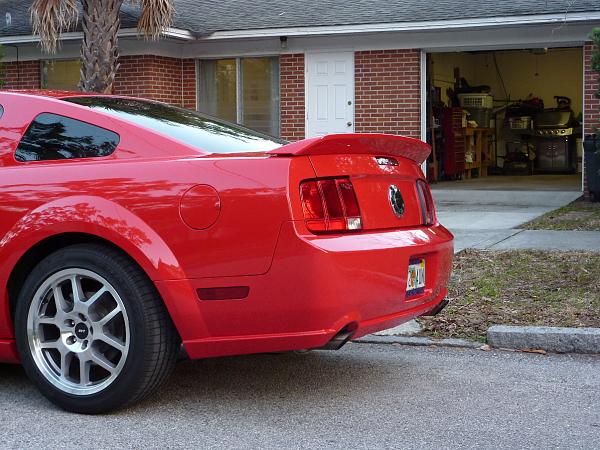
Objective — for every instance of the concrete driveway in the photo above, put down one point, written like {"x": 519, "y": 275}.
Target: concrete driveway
{"x": 484, "y": 212}
{"x": 363, "y": 396}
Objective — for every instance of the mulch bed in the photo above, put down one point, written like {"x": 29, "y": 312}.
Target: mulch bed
{"x": 518, "y": 287}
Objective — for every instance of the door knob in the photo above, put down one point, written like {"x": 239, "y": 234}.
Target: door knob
{"x": 349, "y": 124}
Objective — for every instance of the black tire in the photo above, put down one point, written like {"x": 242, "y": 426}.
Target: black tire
{"x": 153, "y": 340}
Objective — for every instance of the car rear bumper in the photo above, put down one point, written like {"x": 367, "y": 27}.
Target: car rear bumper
{"x": 315, "y": 287}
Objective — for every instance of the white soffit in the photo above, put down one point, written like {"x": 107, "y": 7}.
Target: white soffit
{"x": 169, "y": 33}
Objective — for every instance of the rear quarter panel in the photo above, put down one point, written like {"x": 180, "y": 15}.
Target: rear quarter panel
{"x": 134, "y": 200}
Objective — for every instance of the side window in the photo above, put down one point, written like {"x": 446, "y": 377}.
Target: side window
{"x": 1, "y": 111}
{"x": 51, "y": 136}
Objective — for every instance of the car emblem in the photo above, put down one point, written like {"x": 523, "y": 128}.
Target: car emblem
{"x": 396, "y": 200}
{"x": 81, "y": 331}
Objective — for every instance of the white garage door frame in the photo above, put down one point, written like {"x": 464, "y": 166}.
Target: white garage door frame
{"x": 423, "y": 66}
{"x": 423, "y": 81}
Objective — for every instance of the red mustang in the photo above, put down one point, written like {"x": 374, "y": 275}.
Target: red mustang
{"x": 128, "y": 227}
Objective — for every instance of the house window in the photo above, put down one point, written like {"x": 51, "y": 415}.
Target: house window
{"x": 51, "y": 137}
{"x": 61, "y": 74}
{"x": 242, "y": 90}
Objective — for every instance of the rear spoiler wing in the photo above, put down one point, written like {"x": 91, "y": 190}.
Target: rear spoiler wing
{"x": 370, "y": 144}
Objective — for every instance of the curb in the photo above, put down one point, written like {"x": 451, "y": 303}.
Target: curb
{"x": 418, "y": 341}
{"x": 550, "y": 339}
{"x": 505, "y": 337}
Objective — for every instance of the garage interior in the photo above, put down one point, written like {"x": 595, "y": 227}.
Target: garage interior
{"x": 506, "y": 119}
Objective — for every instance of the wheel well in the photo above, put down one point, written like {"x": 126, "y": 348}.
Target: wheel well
{"x": 42, "y": 249}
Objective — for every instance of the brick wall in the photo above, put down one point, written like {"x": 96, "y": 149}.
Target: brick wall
{"x": 591, "y": 103}
{"x": 388, "y": 92}
{"x": 189, "y": 83}
{"x": 22, "y": 75}
{"x": 169, "y": 80}
{"x": 292, "y": 119}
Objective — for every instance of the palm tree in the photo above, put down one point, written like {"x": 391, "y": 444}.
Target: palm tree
{"x": 100, "y": 23}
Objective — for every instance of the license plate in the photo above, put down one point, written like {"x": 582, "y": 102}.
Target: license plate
{"x": 415, "y": 284}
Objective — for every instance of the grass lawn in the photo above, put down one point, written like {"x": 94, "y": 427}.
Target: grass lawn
{"x": 518, "y": 287}
{"x": 579, "y": 215}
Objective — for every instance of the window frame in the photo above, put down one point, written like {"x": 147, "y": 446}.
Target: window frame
{"x": 114, "y": 113}
{"x": 239, "y": 100}
{"x": 65, "y": 160}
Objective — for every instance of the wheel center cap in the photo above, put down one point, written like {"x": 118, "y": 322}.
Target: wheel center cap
{"x": 81, "y": 331}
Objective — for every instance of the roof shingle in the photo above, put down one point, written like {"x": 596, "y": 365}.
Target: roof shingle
{"x": 204, "y": 17}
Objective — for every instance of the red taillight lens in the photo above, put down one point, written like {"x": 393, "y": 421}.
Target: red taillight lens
{"x": 329, "y": 205}
{"x": 426, "y": 201}
{"x": 349, "y": 198}
{"x": 312, "y": 206}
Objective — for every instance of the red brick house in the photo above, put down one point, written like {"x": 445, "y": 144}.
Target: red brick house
{"x": 301, "y": 69}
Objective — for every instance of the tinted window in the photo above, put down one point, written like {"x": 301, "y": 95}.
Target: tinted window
{"x": 51, "y": 136}
{"x": 198, "y": 130}
{"x": 1, "y": 111}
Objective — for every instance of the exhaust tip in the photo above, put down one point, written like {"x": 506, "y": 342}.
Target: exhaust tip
{"x": 341, "y": 338}
{"x": 435, "y": 311}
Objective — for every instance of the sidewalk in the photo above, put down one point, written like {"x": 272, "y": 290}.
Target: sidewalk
{"x": 550, "y": 240}
{"x": 526, "y": 239}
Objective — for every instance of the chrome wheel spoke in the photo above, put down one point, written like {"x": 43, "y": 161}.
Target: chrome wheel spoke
{"x": 47, "y": 321}
{"x": 94, "y": 298}
{"x": 66, "y": 357}
{"x": 61, "y": 304}
{"x": 78, "y": 295}
{"x": 110, "y": 340}
{"x": 56, "y": 345}
{"x": 84, "y": 371}
{"x": 100, "y": 360}
{"x": 108, "y": 317}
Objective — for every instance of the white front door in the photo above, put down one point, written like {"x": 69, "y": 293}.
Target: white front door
{"x": 329, "y": 93}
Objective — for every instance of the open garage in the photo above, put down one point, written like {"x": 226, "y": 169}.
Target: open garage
{"x": 511, "y": 119}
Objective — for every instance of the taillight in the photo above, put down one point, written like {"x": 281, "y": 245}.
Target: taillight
{"x": 330, "y": 205}
{"x": 426, "y": 202}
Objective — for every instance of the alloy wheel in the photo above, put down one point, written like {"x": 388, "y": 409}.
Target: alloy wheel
{"x": 78, "y": 331}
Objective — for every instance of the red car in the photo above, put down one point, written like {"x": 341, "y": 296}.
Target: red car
{"x": 129, "y": 227}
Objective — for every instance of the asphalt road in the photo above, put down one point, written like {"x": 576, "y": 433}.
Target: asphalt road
{"x": 364, "y": 396}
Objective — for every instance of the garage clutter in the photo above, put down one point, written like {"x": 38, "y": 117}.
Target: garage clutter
{"x": 478, "y": 130}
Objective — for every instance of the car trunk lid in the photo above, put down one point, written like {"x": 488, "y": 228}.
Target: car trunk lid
{"x": 383, "y": 169}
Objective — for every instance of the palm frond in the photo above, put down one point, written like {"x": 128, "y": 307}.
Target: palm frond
{"x": 156, "y": 15}
{"x": 49, "y": 18}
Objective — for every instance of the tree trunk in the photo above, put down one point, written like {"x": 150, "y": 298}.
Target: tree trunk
{"x": 99, "y": 49}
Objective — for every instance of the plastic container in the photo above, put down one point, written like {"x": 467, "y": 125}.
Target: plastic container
{"x": 476, "y": 101}
{"x": 480, "y": 115}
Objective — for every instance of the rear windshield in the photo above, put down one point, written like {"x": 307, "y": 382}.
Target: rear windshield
{"x": 206, "y": 133}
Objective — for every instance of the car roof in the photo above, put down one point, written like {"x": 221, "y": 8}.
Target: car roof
{"x": 58, "y": 94}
